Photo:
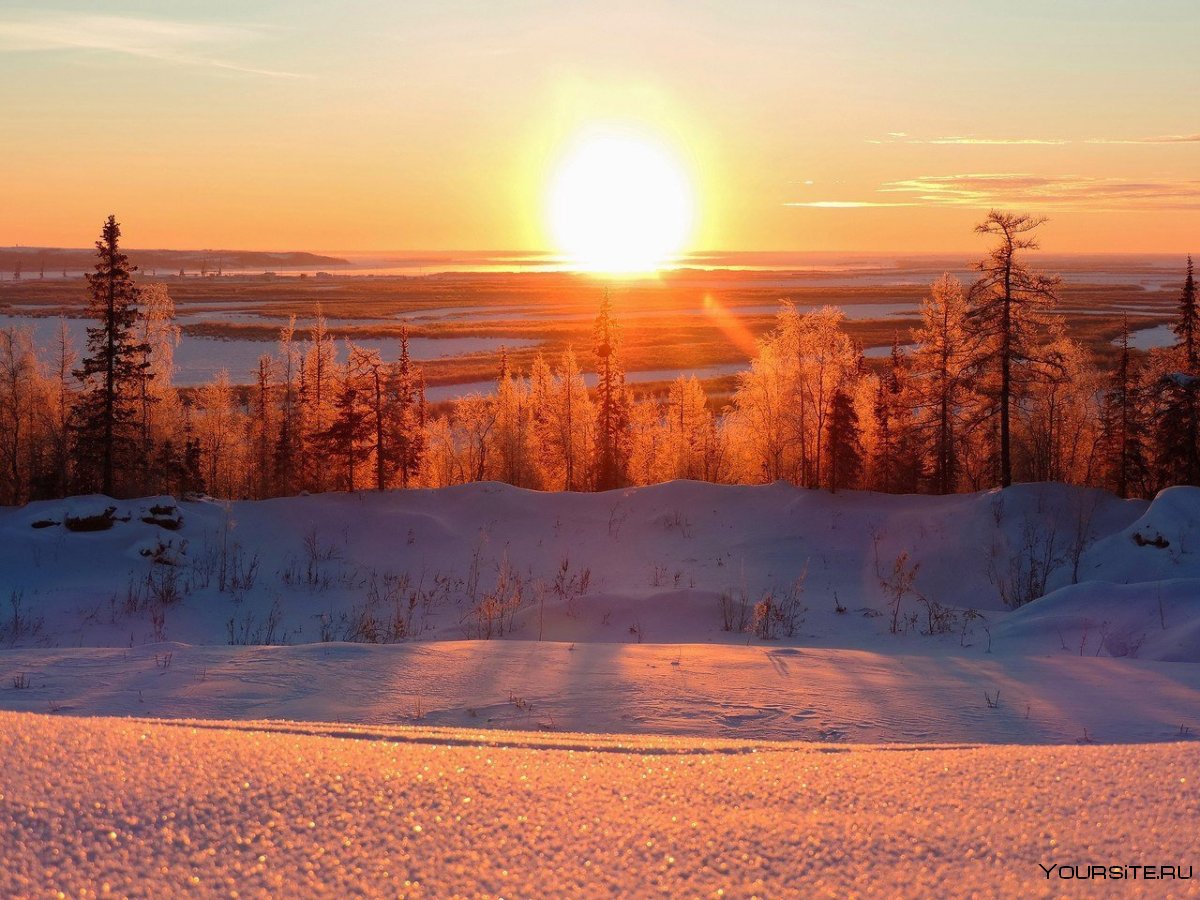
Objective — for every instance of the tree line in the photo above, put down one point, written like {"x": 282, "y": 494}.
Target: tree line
{"x": 992, "y": 390}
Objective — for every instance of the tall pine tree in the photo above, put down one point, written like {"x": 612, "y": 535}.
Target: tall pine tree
{"x": 1177, "y": 426}
{"x": 1187, "y": 326}
{"x": 106, "y": 418}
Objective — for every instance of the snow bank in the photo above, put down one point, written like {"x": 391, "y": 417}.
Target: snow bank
{"x": 1151, "y": 620}
{"x": 577, "y": 583}
{"x": 1163, "y": 543}
{"x": 648, "y": 564}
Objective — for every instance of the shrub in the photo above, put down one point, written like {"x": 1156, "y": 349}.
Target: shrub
{"x": 101, "y": 521}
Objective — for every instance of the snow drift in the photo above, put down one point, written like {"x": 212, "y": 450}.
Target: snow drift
{"x": 677, "y": 562}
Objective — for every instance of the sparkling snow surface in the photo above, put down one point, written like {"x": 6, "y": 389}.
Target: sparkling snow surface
{"x": 156, "y": 809}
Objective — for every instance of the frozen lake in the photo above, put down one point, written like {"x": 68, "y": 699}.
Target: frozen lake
{"x": 1152, "y": 338}
{"x": 199, "y": 359}
{"x": 443, "y": 392}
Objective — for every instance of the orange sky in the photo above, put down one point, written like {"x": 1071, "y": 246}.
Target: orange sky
{"x": 802, "y": 126}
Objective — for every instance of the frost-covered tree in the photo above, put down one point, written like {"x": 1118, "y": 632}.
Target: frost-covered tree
{"x": 612, "y": 403}
{"x": 158, "y": 401}
{"x": 563, "y": 422}
{"x": 319, "y": 376}
{"x": 347, "y": 437}
{"x": 895, "y": 458}
{"x": 938, "y": 378}
{"x": 515, "y": 455}
{"x": 783, "y": 403}
{"x": 218, "y": 430}
{"x": 289, "y": 439}
{"x": 690, "y": 439}
{"x": 405, "y": 415}
{"x": 844, "y": 454}
{"x": 1058, "y": 434}
{"x": 264, "y": 425}
{"x": 58, "y": 367}
{"x": 20, "y": 397}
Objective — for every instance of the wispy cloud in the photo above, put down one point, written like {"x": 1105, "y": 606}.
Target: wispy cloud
{"x": 985, "y": 190}
{"x": 899, "y": 137}
{"x": 1003, "y": 189}
{"x": 1160, "y": 139}
{"x": 168, "y": 41}
{"x": 844, "y": 204}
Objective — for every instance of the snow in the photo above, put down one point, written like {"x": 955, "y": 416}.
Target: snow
{"x": 613, "y": 614}
{"x": 828, "y": 695}
{"x": 192, "y": 699}
{"x": 144, "y": 808}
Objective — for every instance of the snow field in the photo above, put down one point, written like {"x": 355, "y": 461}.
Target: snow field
{"x": 140, "y": 808}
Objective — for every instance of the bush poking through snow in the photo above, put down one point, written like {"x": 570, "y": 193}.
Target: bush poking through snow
{"x": 19, "y": 624}
{"x": 1024, "y": 578}
{"x": 939, "y": 618}
{"x": 735, "y": 613}
{"x": 95, "y": 521}
{"x": 247, "y": 630}
{"x": 1157, "y": 541}
{"x": 569, "y": 588}
{"x": 165, "y": 515}
{"x": 496, "y": 611}
{"x": 765, "y": 617}
{"x": 898, "y": 585}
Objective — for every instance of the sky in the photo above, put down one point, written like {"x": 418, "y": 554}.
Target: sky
{"x": 382, "y": 126}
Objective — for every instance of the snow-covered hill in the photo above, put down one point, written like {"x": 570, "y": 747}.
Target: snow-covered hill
{"x": 643, "y": 565}
{"x": 677, "y": 564}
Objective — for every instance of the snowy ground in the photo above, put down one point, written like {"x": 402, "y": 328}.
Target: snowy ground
{"x": 757, "y": 692}
{"x": 155, "y": 809}
{"x": 488, "y": 691}
{"x": 605, "y": 612}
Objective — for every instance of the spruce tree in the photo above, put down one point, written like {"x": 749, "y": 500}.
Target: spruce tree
{"x": 406, "y": 415}
{"x": 1177, "y": 419}
{"x": 1122, "y": 427}
{"x": 844, "y": 450}
{"x": 1177, "y": 430}
{"x": 350, "y": 430}
{"x": 612, "y": 402}
{"x": 106, "y": 417}
{"x": 1187, "y": 326}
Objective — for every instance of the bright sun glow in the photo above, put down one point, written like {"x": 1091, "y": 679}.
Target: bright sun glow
{"x": 620, "y": 203}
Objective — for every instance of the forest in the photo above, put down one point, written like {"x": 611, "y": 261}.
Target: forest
{"x": 991, "y": 390}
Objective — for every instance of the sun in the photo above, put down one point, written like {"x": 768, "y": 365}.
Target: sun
{"x": 620, "y": 203}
